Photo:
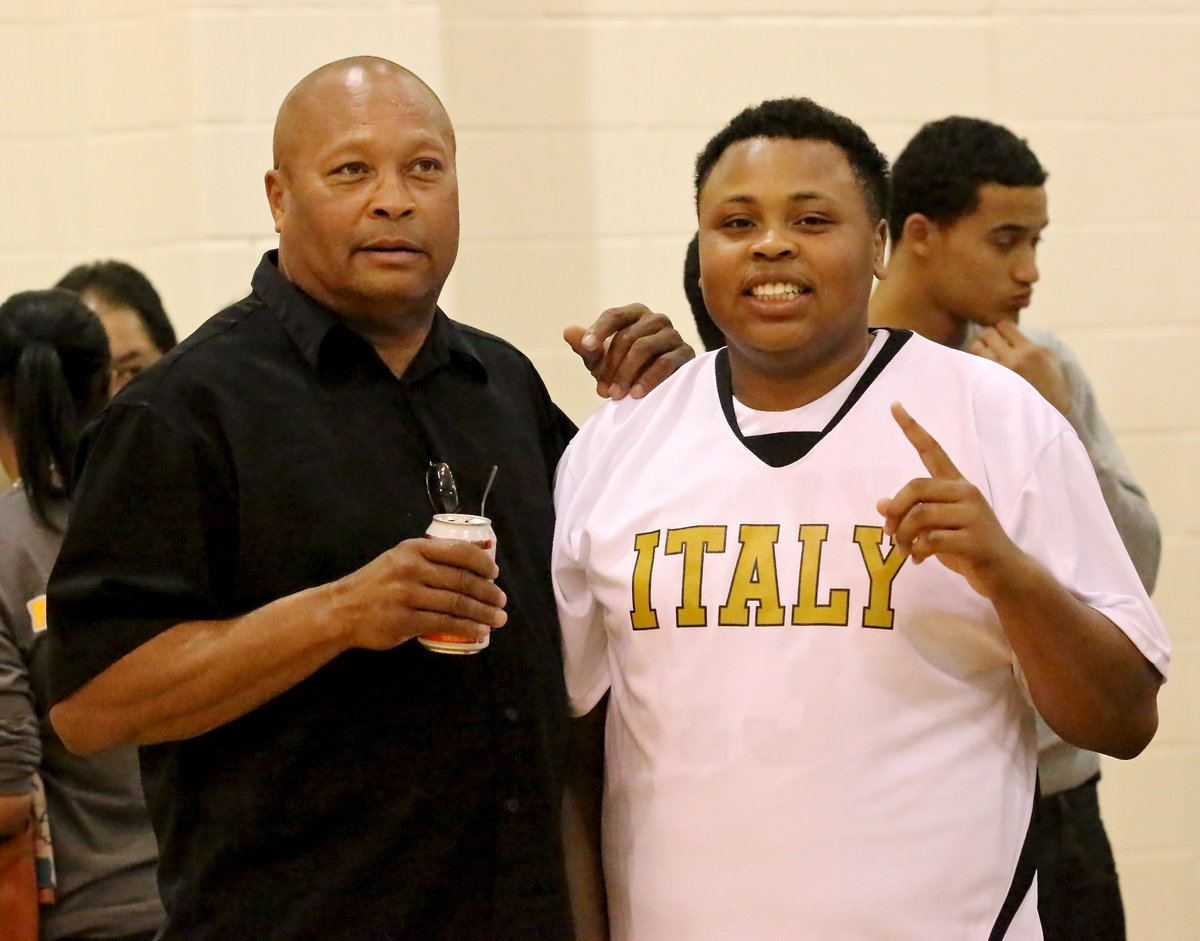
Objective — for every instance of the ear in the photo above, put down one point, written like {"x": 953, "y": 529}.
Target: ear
{"x": 276, "y": 195}
{"x": 919, "y": 231}
{"x": 880, "y": 240}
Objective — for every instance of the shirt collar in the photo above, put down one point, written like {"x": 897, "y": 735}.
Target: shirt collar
{"x": 312, "y": 327}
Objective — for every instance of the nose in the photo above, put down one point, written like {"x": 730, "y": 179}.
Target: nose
{"x": 391, "y": 198}
{"x": 774, "y": 242}
{"x": 1026, "y": 269}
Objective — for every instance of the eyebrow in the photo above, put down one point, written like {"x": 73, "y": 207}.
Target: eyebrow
{"x": 1014, "y": 228}
{"x": 794, "y": 198}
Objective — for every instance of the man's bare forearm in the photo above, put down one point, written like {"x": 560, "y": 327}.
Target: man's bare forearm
{"x": 199, "y": 675}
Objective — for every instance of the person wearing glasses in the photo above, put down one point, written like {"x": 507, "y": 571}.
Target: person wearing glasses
{"x": 312, "y": 772}
{"x": 139, "y": 331}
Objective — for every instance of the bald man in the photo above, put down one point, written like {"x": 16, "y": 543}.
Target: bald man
{"x": 312, "y": 772}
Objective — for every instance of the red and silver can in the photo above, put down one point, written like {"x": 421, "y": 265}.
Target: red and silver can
{"x": 478, "y": 531}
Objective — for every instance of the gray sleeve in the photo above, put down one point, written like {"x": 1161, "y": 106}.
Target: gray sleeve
{"x": 1126, "y": 501}
{"x": 20, "y": 742}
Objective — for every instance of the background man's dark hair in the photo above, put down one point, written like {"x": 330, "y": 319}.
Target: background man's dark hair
{"x": 804, "y": 119}
{"x": 710, "y": 334}
{"x": 941, "y": 169}
{"x": 120, "y": 283}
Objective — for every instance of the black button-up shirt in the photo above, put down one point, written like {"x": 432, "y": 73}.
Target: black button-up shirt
{"x": 397, "y": 794}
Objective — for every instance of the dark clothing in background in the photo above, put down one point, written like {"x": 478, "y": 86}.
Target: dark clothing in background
{"x": 1078, "y": 894}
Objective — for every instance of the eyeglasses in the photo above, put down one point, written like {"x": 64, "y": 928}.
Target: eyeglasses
{"x": 439, "y": 484}
{"x": 443, "y": 491}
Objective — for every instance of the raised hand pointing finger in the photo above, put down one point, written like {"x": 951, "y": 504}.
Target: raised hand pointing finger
{"x": 946, "y": 516}
{"x": 935, "y": 459}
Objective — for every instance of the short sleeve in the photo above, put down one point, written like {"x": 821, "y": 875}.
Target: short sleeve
{"x": 1059, "y": 517}
{"x": 20, "y": 744}
{"x": 147, "y": 546}
{"x": 585, "y": 640}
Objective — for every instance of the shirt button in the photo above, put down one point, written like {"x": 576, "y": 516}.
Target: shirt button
{"x": 510, "y": 714}
{"x": 512, "y": 805}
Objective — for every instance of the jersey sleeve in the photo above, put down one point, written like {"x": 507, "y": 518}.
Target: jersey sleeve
{"x": 1060, "y": 518}
{"x": 585, "y": 640}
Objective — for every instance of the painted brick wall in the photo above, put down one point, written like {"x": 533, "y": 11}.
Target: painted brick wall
{"x": 141, "y": 129}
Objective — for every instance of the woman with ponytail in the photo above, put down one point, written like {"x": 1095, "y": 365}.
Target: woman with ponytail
{"x": 96, "y": 853}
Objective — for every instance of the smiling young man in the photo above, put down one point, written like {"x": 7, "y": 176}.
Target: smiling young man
{"x": 968, "y": 211}
{"x": 816, "y": 623}
{"x": 310, "y": 770}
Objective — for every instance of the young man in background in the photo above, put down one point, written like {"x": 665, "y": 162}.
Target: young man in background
{"x": 968, "y": 210}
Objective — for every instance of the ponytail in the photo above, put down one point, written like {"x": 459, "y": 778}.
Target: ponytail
{"x": 53, "y": 374}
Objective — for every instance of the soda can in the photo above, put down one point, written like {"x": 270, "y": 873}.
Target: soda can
{"x": 478, "y": 531}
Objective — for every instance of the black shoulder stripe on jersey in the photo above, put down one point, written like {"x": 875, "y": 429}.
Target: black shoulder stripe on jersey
{"x": 787, "y": 447}
{"x": 1023, "y": 875}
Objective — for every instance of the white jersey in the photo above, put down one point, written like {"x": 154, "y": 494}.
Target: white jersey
{"x": 809, "y": 737}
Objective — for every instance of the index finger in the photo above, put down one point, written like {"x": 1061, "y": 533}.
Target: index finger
{"x": 610, "y": 322}
{"x": 1011, "y": 332}
{"x": 935, "y": 459}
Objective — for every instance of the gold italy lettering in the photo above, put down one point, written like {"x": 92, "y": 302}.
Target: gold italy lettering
{"x": 807, "y": 609}
{"x": 755, "y": 578}
{"x": 643, "y": 616}
{"x": 693, "y": 542}
{"x": 881, "y": 569}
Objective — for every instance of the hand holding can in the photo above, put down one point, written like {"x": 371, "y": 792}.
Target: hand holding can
{"x": 478, "y": 531}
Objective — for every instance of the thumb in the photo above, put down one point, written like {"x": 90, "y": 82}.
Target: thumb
{"x": 574, "y": 337}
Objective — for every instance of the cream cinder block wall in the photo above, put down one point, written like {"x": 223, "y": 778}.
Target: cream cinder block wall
{"x": 140, "y": 129}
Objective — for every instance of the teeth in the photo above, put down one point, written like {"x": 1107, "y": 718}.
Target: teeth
{"x": 777, "y": 291}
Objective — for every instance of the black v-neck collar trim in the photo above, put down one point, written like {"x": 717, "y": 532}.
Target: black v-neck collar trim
{"x": 786, "y": 447}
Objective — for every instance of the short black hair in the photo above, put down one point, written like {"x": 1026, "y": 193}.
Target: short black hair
{"x": 804, "y": 119}
{"x": 710, "y": 334}
{"x": 118, "y": 282}
{"x": 940, "y": 171}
